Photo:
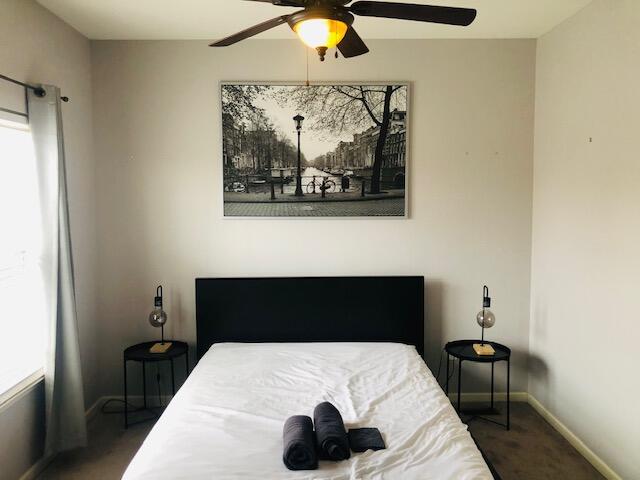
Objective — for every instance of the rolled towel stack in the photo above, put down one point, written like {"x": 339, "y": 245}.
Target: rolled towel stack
{"x": 331, "y": 434}
{"x": 330, "y": 441}
{"x": 299, "y": 444}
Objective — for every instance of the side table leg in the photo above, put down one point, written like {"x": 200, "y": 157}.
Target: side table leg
{"x": 459, "y": 383}
{"x": 144, "y": 384}
{"x": 126, "y": 403}
{"x": 173, "y": 379}
{"x": 508, "y": 395}
{"x": 446, "y": 390}
{"x": 492, "y": 365}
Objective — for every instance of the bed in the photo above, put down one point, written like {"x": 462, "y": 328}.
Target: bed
{"x": 257, "y": 367}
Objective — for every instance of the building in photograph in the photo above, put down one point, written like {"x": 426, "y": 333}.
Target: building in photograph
{"x": 250, "y": 149}
{"x": 359, "y": 154}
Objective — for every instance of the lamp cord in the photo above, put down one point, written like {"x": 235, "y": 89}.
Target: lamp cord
{"x": 131, "y": 408}
{"x": 440, "y": 367}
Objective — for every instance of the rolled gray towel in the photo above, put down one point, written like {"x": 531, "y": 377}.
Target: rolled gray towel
{"x": 299, "y": 444}
{"x": 331, "y": 435}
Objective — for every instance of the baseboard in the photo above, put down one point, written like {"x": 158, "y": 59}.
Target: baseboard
{"x": 94, "y": 409}
{"x": 37, "y": 468}
{"x": 599, "y": 464}
{"x": 486, "y": 397}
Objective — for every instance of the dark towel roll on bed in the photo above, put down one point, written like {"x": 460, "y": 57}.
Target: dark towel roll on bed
{"x": 363, "y": 439}
{"x": 299, "y": 444}
{"x": 330, "y": 432}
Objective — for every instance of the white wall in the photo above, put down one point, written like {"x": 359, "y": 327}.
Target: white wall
{"x": 36, "y": 46}
{"x": 22, "y": 431}
{"x": 586, "y": 230}
{"x": 157, "y": 138}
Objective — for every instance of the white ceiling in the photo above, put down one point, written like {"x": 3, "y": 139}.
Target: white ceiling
{"x": 214, "y": 19}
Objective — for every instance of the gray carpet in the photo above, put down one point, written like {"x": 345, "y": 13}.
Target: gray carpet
{"x": 110, "y": 450}
{"x": 532, "y": 450}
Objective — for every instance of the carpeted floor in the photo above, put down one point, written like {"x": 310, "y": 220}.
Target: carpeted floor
{"x": 531, "y": 450}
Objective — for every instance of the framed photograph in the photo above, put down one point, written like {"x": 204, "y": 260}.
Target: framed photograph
{"x": 325, "y": 150}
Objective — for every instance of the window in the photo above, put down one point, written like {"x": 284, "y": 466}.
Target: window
{"x": 22, "y": 305}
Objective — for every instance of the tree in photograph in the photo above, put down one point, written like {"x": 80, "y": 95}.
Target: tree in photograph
{"x": 238, "y": 111}
{"x": 286, "y": 153}
{"x": 336, "y": 108}
{"x": 238, "y": 102}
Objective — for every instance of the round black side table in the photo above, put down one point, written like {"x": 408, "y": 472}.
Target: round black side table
{"x": 463, "y": 351}
{"x": 141, "y": 353}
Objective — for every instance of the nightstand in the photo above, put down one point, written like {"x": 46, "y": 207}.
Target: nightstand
{"x": 463, "y": 351}
{"x": 140, "y": 353}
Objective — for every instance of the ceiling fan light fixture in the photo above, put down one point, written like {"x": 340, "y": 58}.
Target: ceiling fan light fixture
{"x": 321, "y": 32}
{"x": 321, "y": 28}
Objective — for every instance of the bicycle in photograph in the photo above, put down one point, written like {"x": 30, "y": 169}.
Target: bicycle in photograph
{"x": 324, "y": 185}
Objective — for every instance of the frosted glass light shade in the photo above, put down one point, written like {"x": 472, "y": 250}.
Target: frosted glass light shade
{"x": 486, "y": 318}
{"x": 157, "y": 317}
{"x": 321, "y": 32}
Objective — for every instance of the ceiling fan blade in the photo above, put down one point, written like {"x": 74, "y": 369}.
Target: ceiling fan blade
{"x": 250, "y": 32}
{"x": 283, "y": 3}
{"x": 352, "y": 45}
{"x": 420, "y": 13}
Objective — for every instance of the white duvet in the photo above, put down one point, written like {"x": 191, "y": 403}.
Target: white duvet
{"x": 226, "y": 421}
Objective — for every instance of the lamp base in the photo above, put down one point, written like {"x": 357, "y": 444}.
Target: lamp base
{"x": 483, "y": 349}
{"x": 160, "y": 347}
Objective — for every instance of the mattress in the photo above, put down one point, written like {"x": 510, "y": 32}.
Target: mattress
{"x": 226, "y": 421}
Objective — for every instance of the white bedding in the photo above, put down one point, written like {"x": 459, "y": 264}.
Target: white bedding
{"x": 226, "y": 421}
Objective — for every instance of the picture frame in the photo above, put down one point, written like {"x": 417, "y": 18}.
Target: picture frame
{"x": 339, "y": 126}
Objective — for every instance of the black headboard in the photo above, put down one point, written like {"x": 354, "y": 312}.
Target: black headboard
{"x": 310, "y": 309}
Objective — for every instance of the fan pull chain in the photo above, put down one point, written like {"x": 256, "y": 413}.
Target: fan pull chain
{"x": 335, "y": 32}
{"x": 307, "y": 51}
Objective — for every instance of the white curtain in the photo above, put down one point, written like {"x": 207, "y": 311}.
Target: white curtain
{"x": 65, "y": 417}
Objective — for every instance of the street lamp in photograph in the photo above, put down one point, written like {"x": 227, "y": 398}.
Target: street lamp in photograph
{"x": 299, "y": 119}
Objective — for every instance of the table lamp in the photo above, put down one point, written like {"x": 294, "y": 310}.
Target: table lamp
{"x": 158, "y": 318}
{"x": 486, "y": 319}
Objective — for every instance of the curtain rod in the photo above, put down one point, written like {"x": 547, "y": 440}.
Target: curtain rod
{"x": 39, "y": 91}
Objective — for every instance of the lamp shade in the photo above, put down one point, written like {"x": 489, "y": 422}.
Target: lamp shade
{"x": 321, "y": 32}
{"x": 157, "y": 317}
{"x": 486, "y": 318}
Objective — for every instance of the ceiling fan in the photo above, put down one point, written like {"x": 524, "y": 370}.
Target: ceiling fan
{"x": 324, "y": 24}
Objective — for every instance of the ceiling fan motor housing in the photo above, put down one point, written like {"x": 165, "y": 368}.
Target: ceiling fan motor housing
{"x": 328, "y": 13}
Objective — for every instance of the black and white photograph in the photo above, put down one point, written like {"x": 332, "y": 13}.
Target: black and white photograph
{"x": 314, "y": 151}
